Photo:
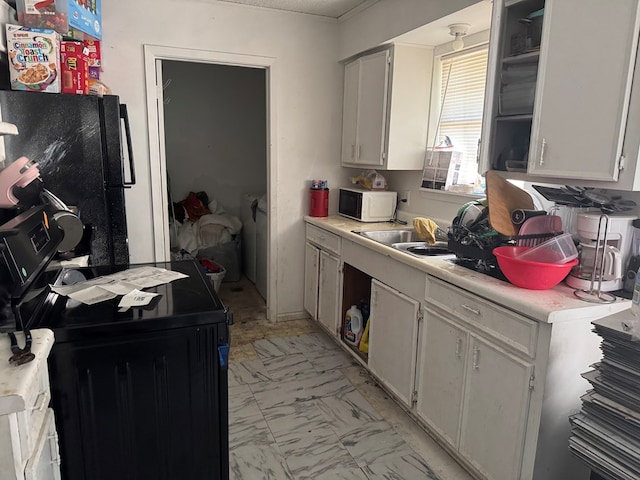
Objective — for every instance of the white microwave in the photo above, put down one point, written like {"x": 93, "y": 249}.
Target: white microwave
{"x": 367, "y": 205}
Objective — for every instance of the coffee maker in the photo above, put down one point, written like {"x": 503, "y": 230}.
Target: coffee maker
{"x": 604, "y": 246}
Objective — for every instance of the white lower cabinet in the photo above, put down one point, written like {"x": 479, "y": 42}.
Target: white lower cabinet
{"x": 329, "y": 288}
{"x": 443, "y": 350}
{"x": 28, "y": 439}
{"x": 475, "y": 379}
{"x": 392, "y": 339}
{"x": 45, "y": 462}
{"x": 494, "y": 415}
{"x": 323, "y": 277}
{"x": 311, "y": 265}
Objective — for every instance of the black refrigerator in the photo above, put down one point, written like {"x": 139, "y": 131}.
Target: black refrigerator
{"x": 82, "y": 145}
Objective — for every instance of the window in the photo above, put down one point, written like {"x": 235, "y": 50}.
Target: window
{"x": 462, "y": 84}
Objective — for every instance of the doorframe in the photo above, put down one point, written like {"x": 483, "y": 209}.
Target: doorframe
{"x": 157, "y": 158}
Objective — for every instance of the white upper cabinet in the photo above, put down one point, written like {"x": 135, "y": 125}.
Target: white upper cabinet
{"x": 386, "y": 107}
{"x": 563, "y": 113}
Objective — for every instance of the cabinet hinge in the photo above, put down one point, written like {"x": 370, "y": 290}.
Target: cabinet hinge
{"x": 414, "y": 397}
{"x": 383, "y": 156}
{"x": 420, "y": 315}
{"x": 622, "y": 162}
{"x": 389, "y": 59}
{"x": 532, "y": 381}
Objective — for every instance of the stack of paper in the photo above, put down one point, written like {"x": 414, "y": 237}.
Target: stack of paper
{"x": 606, "y": 433}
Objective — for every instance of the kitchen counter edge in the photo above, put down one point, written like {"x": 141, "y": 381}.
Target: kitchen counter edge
{"x": 553, "y": 305}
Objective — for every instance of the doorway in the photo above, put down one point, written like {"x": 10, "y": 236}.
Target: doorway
{"x": 211, "y": 131}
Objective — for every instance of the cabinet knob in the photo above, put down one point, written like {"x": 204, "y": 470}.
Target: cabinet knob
{"x": 353, "y": 151}
{"x": 458, "y": 347}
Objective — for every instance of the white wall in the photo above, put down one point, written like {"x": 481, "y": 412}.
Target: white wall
{"x": 216, "y": 138}
{"x": 308, "y": 106}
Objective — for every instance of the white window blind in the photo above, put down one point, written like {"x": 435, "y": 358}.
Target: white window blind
{"x": 463, "y": 78}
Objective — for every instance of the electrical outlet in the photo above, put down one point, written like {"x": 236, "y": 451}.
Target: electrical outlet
{"x": 405, "y": 197}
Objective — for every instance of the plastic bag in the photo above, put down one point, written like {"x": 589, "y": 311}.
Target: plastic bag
{"x": 371, "y": 180}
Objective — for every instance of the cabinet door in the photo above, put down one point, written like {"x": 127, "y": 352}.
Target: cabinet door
{"x": 583, "y": 88}
{"x": 45, "y": 462}
{"x": 392, "y": 339}
{"x": 440, "y": 377}
{"x": 329, "y": 288}
{"x": 495, "y": 410}
{"x": 350, "y": 111}
{"x": 311, "y": 265}
{"x": 372, "y": 108}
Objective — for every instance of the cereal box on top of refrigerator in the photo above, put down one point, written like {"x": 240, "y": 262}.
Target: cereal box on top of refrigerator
{"x": 34, "y": 59}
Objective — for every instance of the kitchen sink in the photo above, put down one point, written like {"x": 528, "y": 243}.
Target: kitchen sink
{"x": 389, "y": 237}
{"x": 423, "y": 249}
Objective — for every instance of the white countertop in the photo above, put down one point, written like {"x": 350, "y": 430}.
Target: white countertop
{"x": 553, "y": 305}
{"x": 17, "y": 380}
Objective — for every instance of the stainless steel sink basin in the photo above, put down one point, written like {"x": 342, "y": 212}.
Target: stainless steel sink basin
{"x": 389, "y": 237}
{"x": 423, "y": 249}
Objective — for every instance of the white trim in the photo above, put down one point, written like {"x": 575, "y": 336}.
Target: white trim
{"x": 158, "y": 178}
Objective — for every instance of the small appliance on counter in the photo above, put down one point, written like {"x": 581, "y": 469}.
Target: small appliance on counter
{"x": 367, "y": 205}
{"x": 613, "y": 249}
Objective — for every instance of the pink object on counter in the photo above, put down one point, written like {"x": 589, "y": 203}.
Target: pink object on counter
{"x": 20, "y": 173}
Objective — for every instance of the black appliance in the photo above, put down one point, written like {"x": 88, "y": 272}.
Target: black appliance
{"x": 137, "y": 394}
{"x": 77, "y": 140}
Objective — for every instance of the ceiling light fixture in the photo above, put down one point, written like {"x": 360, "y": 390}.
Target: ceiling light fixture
{"x": 458, "y": 30}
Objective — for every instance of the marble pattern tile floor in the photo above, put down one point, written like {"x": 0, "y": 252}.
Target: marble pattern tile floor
{"x": 300, "y": 408}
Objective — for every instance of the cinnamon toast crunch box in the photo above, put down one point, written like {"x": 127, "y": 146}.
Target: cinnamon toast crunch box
{"x": 34, "y": 59}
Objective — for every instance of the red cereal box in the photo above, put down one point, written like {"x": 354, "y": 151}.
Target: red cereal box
{"x": 74, "y": 67}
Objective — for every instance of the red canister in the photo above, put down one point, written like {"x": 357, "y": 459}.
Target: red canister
{"x": 318, "y": 202}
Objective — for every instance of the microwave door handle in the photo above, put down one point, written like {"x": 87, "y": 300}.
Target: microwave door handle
{"x": 124, "y": 115}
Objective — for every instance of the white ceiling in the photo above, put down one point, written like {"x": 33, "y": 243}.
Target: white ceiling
{"x": 325, "y": 8}
{"x": 478, "y": 16}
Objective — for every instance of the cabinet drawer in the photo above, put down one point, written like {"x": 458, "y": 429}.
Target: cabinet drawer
{"x": 514, "y": 331}
{"x": 322, "y": 238}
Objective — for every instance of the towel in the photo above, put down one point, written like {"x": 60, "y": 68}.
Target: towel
{"x": 426, "y": 229}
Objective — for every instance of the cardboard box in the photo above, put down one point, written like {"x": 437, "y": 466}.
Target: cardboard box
{"x": 94, "y": 54}
{"x": 34, "y": 59}
{"x": 48, "y": 14}
{"x": 86, "y": 17}
{"x": 75, "y": 68}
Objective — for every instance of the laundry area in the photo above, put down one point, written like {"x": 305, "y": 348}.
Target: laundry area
{"x": 216, "y": 158}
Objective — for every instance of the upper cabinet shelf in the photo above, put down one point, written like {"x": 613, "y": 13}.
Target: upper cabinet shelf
{"x": 522, "y": 58}
{"x": 572, "y": 113}
{"x": 385, "y": 110}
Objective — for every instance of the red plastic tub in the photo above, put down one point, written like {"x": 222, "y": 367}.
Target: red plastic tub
{"x": 530, "y": 275}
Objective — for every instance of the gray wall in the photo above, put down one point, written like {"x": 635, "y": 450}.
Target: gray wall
{"x": 215, "y": 130}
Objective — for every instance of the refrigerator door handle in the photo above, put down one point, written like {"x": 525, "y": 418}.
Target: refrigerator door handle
{"x": 124, "y": 115}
